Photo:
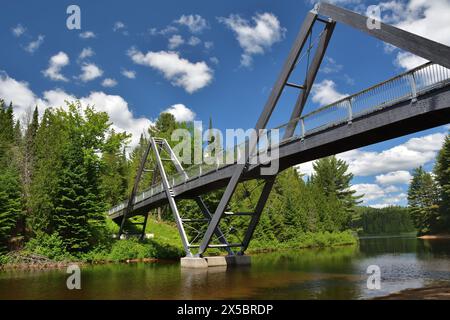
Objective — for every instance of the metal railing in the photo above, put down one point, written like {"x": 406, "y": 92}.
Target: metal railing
{"x": 406, "y": 86}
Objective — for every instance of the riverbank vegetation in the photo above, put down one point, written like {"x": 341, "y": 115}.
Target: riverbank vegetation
{"x": 392, "y": 220}
{"x": 61, "y": 171}
{"x": 429, "y": 195}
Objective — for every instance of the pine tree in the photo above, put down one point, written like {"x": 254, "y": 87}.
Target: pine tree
{"x": 332, "y": 177}
{"x": 442, "y": 172}
{"x": 115, "y": 170}
{"x": 10, "y": 188}
{"x": 423, "y": 199}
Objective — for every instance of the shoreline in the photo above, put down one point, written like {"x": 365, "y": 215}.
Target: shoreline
{"x": 435, "y": 237}
{"x": 434, "y": 292}
{"x": 64, "y": 264}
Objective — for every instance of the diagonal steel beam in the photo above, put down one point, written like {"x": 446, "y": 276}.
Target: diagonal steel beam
{"x": 134, "y": 190}
{"x": 207, "y": 214}
{"x": 275, "y": 94}
{"x": 420, "y": 46}
{"x": 257, "y": 214}
{"x": 310, "y": 78}
{"x": 288, "y": 67}
{"x": 170, "y": 199}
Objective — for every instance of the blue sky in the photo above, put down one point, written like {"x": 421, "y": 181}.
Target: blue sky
{"x": 201, "y": 59}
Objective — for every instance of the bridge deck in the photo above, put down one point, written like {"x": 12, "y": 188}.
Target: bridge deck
{"x": 411, "y": 102}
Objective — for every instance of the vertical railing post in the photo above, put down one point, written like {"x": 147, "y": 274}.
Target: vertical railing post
{"x": 302, "y": 125}
{"x": 350, "y": 111}
{"x": 412, "y": 83}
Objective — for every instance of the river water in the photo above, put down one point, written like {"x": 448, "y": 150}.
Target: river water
{"x": 338, "y": 273}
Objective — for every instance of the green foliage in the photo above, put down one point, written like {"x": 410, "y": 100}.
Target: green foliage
{"x": 51, "y": 246}
{"x": 10, "y": 188}
{"x": 332, "y": 177}
{"x": 442, "y": 172}
{"x": 423, "y": 199}
{"x": 307, "y": 240}
{"x": 389, "y": 220}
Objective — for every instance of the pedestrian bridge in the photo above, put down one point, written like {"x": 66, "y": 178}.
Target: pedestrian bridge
{"x": 410, "y": 102}
{"x": 413, "y": 101}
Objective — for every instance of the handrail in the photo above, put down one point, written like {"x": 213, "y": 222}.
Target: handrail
{"x": 413, "y": 79}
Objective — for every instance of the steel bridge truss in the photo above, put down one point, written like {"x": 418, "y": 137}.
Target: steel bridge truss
{"x": 327, "y": 15}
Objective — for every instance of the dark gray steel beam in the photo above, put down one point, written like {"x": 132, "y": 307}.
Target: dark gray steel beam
{"x": 135, "y": 187}
{"x": 420, "y": 46}
{"x": 257, "y": 215}
{"x": 218, "y": 231}
{"x": 310, "y": 78}
{"x": 288, "y": 67}
{"x": 275, "y": 94}
{"x": 170, "y": 199}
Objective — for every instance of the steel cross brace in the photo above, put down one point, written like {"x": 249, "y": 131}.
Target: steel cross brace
{"x": 130, "y": 204}
{"x": 281, "y": 83}
{"x": 162, "y": 144}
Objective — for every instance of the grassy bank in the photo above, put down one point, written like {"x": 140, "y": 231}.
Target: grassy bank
{"x": 48, "y": 250}
{"x": 307, "y": 240}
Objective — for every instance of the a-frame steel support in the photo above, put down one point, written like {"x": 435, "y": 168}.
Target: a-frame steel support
{"x": 155, "y": 147}
{"x": 170, "y": 197}
{"x": 275, "y": 95}
{"x": 130, "y": 203}
{"x": 420, "y": 46}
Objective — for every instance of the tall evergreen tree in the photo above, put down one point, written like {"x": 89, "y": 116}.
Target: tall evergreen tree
{"x": 442, "y": 172}
{"x": 423, "y": 199}
{"x": 10, "y": 188}
{"x": 332, "y": 177}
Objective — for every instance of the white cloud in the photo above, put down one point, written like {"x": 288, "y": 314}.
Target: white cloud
{"x": 388, "y": 163}
{"x": 180, "y": 72}
{"x": 167, "y": 30}
{"x": 118, "y": 26}
{"x": 370, "y": 191}
{"x": 57, "y": 62}
{"x": 208, "y": 45}
{"x": 257, "y": 38}
{"x": 325, "y": 92}
{"x": 175, "y": 41}
{"x": 330, "y": 66}
{"x": 411, "y": 154}
{"x": 428, "y": 19}
{"x": 195, "y": 23}
{"x": 193, "y": 41}
{"x": 181, "y": 112}
{"x": 109, "y": 83}
{"x": 86, "y": 53}
{"x": 394, "y": 177}
{"x": 408, "y": 60}
{"x": 34, "y": 45}
{"x": 214, "y": 60}
{"x": 18, "y": 30}
{"x": 117, "y": 108}
{"x": 390, "y": 201}
{"x": 17, "y": 92}
{"x": 90, "y": 72}
{"x": 384, "y": 196}
{"x": 130, "y": 74}
{"x": 87, "y": 35}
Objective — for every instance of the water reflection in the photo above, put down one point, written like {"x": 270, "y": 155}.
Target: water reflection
{"x": 338, "y": 273}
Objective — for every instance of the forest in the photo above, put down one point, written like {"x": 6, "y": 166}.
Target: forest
{"x": 61, "y": 171}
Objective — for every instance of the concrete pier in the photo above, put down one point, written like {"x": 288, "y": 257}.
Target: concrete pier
{"x": 215, "y": 261}
{"x": 194, "y": 263}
